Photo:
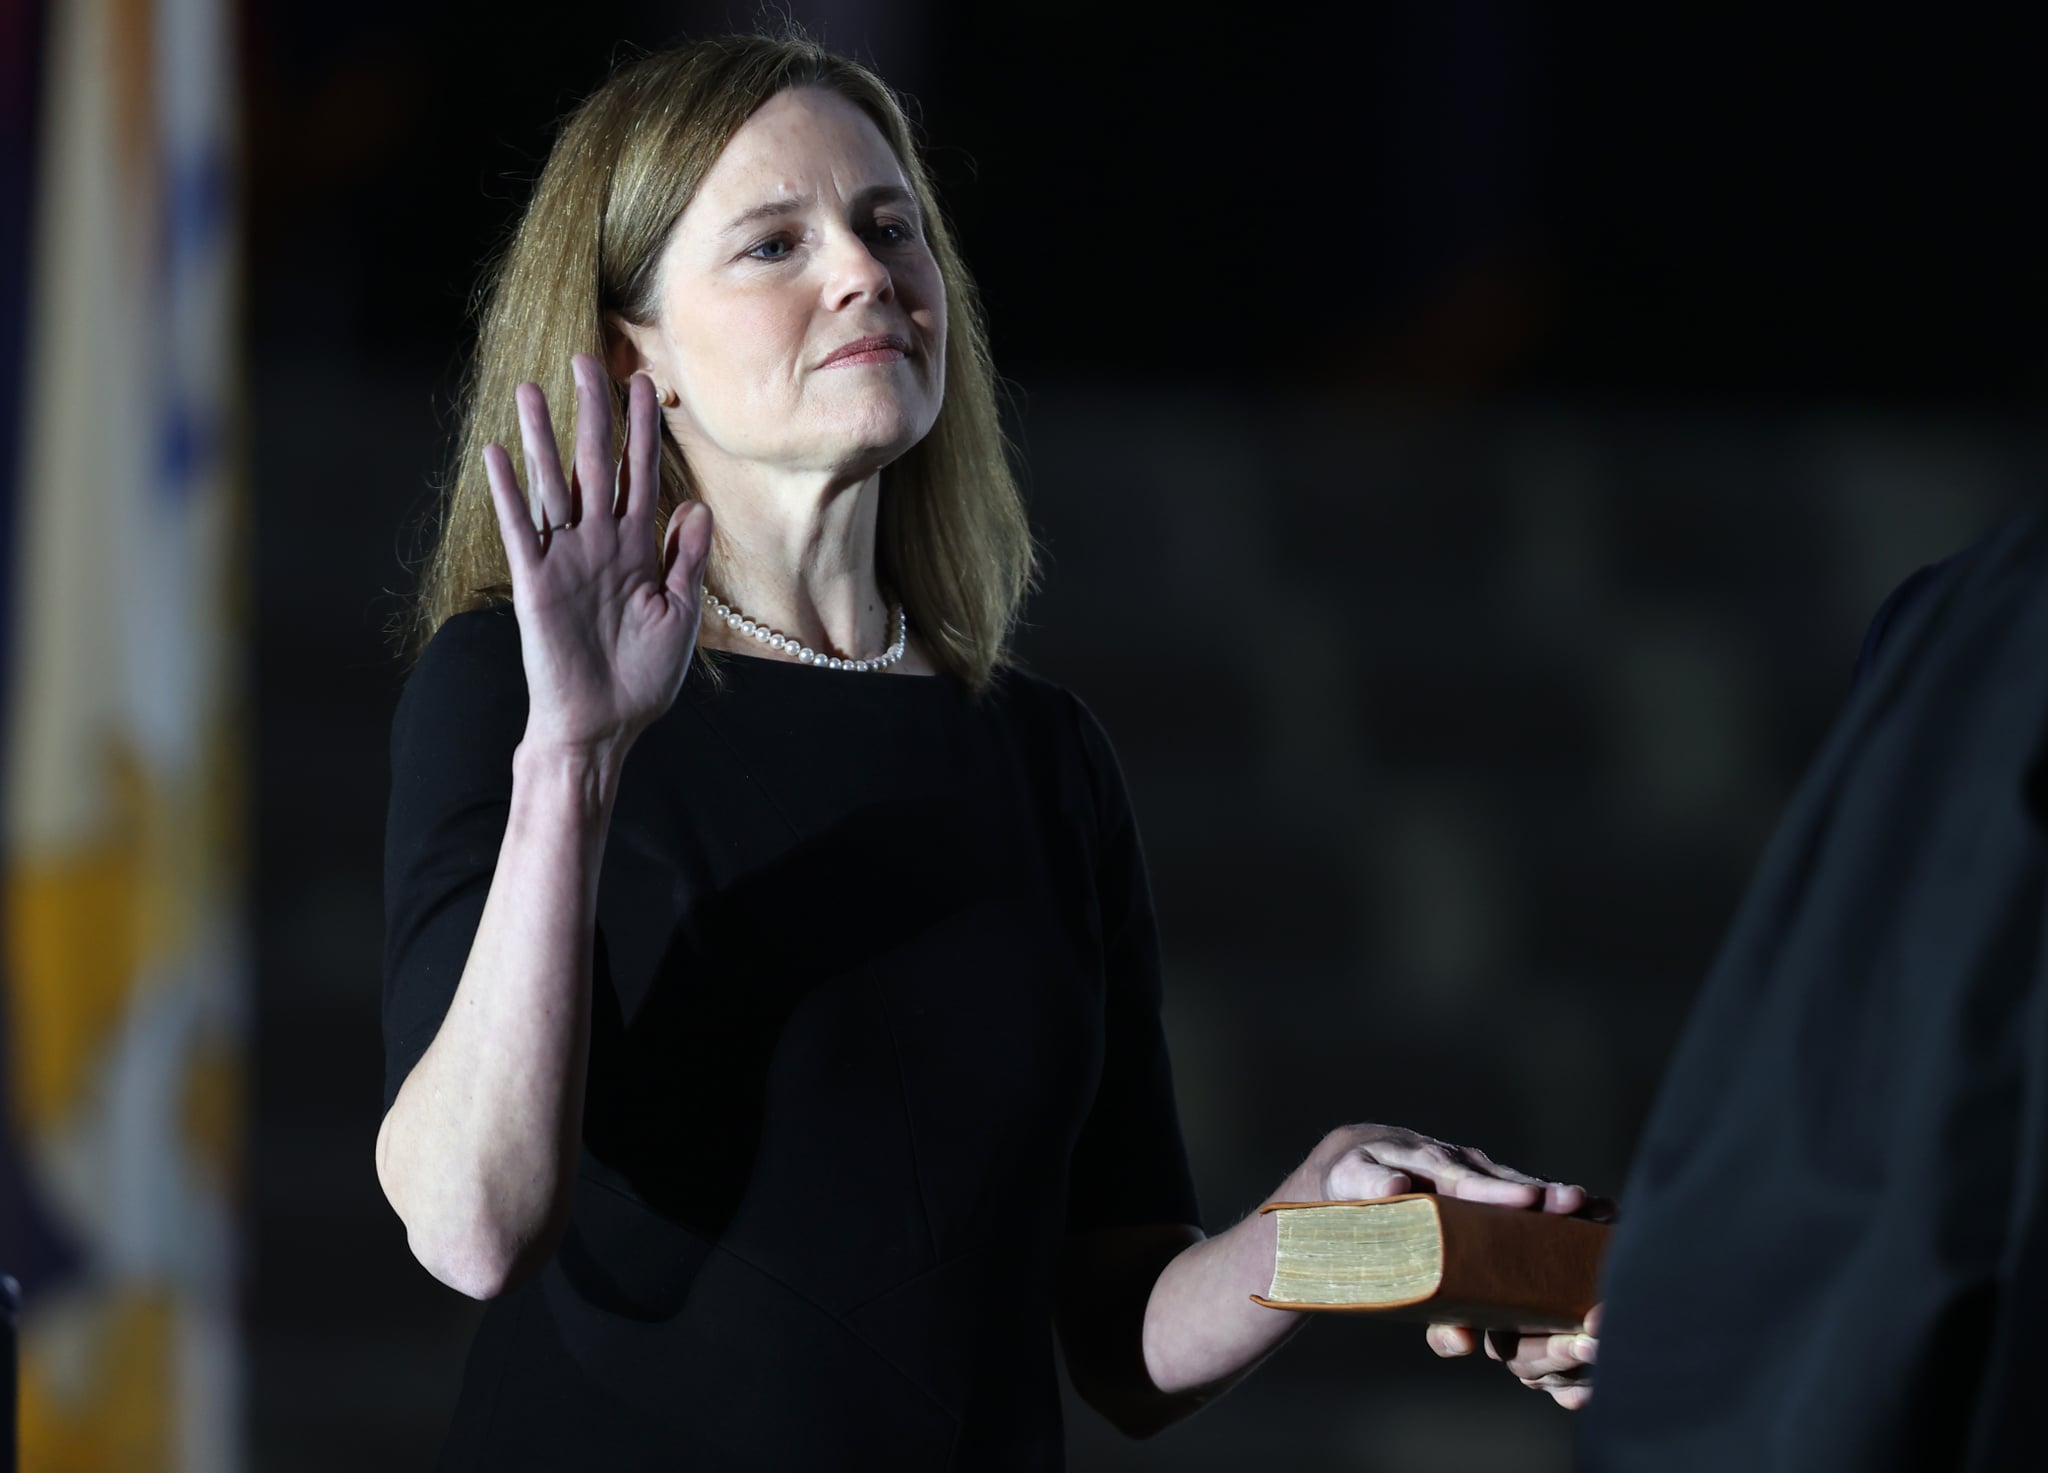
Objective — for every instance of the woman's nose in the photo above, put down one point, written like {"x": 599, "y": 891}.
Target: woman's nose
{"x": 855, "y": 270}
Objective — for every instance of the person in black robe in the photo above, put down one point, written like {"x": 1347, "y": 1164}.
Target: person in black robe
{"x": 1832, "y": 1255}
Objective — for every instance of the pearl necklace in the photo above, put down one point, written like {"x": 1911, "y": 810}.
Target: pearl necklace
{"x": 775, "y": 639}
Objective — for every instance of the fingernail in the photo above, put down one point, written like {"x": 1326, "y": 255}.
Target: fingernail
{"x": 1584, "y": 1349}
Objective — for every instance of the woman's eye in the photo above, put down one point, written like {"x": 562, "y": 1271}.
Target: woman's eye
{"x": 895, "y": 232}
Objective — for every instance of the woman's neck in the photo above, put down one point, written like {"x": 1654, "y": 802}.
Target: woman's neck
{"x": 800, "y": 558}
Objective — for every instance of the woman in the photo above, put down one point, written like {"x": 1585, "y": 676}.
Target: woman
{"x": 788, "y": 1144}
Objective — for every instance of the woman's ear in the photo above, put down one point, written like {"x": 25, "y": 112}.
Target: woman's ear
{"x": 622, "y": 355}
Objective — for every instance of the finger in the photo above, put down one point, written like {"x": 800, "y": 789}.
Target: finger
{"x": 1473, "y": 1156}
{"x": 1554, "y": 1383}
{"x": 1514, "y": 1349}
{"x": 688, "y": 545}
{"x": 1593, "y": 1321}
{"x": 1451, "y": 1173}
{"x": 543, "y": 462}
{"x": 640, "y": 458}
{"x": 515, "y": 520}
{"x": 1456, "y": 1179}
{"x": 593, "y": 454}
{"x": 1486, "y": 1165}
{"x": 1546, "y": 1355}
{"x": 1530, "y": 1356}
{"x": 1571, "y": 1398}
{"x": 1472, "y": 1186}
{"x": 1475, "y": 1176}
{"x": 1557, "y": 1196}
{"x": 1357, "y": 1177}
{"x": 1451, "y": 1340}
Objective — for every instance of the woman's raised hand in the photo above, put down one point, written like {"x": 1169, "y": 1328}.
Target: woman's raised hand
{"x": 607, "y": 621}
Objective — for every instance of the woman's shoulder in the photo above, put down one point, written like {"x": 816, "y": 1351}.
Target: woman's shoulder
{"x": 476, "y": 645}
{"x": 1057, "y": 715}
{"x": 470, "y": 675}
{"x": 473, "y": 632}
{"x": 1026, "y": 696}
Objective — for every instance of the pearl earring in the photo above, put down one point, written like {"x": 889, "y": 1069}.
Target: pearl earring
{"x": 666, "y": 398}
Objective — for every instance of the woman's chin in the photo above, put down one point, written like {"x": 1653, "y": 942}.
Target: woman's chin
{"x": 867, "y": 460}
{"x": 875, "y": 445}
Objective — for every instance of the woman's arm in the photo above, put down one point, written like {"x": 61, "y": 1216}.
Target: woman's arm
{"x": 1157, "y": 1322}
{"x": 478, "y": 1151}
{"x": 1202, "y": 1333}
{"x": 1155, "y": 1328}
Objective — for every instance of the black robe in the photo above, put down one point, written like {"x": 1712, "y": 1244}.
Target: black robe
{"x": 1833, "y": 1253}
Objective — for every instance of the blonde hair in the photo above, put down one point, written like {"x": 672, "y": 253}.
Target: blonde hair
{"x": 952, "y": 538}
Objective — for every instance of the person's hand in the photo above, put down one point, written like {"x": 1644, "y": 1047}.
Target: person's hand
{"x": 1382, "y": 1161}
{"x": 1559, "y": 1364}
{"x": 607, "y": 620}
{"x": 1364, "y": 1161}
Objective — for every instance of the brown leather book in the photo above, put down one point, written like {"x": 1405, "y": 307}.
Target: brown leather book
{"x": 1437, "y": 1260}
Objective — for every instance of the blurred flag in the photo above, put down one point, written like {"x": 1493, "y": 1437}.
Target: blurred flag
{"x": 123, "y": 968}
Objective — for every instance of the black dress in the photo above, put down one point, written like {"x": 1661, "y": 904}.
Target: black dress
{"x": 1833, "y": 1254}
{"x": 875, "y": 1025}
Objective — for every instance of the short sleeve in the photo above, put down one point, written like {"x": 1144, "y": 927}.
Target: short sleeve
{"x": 458, "y": 722}
{"x": 1130, "y": 1164}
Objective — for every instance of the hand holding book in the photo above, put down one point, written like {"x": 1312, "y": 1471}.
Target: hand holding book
{"x": 1560, "y": 1364}
{"x": 1480, "y": 1255}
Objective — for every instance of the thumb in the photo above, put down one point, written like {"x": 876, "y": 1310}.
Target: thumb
{"x": 1356, "y": 1178}
{"x": 686, "y": 548}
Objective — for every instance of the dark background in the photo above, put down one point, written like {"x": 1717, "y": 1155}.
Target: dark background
{"x": 1468, "y": 439}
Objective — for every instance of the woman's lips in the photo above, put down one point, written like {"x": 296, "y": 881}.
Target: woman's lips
{"x": 872, "y": 355}
{"x": 885, "y": 349}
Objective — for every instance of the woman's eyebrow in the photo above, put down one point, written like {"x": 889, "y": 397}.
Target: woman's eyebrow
{"x": 874, "y": 194}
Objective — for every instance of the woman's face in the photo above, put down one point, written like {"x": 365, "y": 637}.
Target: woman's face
{"x": 803, "y": 238}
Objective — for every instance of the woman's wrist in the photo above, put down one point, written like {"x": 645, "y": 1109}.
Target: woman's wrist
{"x": 585, "y": 775}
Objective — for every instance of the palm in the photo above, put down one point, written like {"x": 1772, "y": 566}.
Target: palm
{"x": 607, "y": 620}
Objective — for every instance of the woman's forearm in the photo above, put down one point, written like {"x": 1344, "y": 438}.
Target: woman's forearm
{"x": 478, "y": 1152}
{"x": 1202, "y": 1332}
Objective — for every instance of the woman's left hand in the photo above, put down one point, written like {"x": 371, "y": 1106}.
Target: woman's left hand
{"x": 1384, "y": 1160}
